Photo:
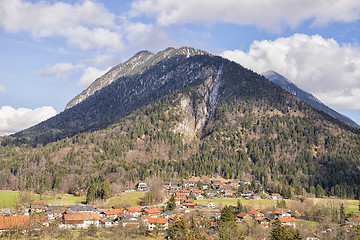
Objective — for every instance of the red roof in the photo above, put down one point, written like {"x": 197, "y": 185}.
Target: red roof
{"x": 133, "y": 209}
{"x": 81, "y": 217}
{"x": 242, "y": 214}
{"x": 189, "y": 200}
{"x": 276, "y": 194}
{"x": 287, "y": 219}
{"x": 280, "y": 212}
{"x": 152, "y": 211}
{"x": 254, "y": 211}
{"x": 9, "y": 222}
{"x": 158, "y": 220}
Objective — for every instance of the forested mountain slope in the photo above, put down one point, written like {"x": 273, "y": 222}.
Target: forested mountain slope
{"x": 187, "y": 116}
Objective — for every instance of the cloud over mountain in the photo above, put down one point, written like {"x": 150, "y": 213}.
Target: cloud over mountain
{"x": 321, "y": 66}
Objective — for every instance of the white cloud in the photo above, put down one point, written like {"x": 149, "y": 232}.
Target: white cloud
{"x": 90, "y": 75}
{"x": 13, "y": 120}
{"x": 2, "y": 88}
{"x": 84, "y": 25}
{"x": 60, "y": 70}
{"x": 269, "y": 14}
{"x": 321, "y": 66}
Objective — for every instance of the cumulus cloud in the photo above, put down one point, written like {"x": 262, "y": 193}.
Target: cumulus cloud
{"x": 59, "y": 70}
{"x": 13, "y": 120}
{"x": 321, "y": 66}
{"x": 87, "y": 24}
{"x": 269, "y": 14}
{"x": 2, "y": 88}
{"x": 90, "y": 75}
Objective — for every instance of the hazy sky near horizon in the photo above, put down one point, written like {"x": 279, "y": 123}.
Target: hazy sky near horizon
{"x": 52, "y": 50}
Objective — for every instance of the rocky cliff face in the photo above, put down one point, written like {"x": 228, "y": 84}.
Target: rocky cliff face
{"x": 200, "y": 104}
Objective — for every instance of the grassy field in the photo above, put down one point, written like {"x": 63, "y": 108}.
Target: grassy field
{"x": 8, "y": 198}
{"x": 252, "y": 204}
{"x": 131, "y": 199}
{"x": 351, "y": 206}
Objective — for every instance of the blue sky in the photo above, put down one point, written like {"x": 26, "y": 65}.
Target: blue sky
{"x": 52, "y": 50}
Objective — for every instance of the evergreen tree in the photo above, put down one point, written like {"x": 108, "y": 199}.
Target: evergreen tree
{"x": 171, "y": 205}
{"x": 227, "y": 214}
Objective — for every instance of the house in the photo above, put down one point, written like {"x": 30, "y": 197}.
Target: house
{"x": 243, "y": 217}
{"x": 129, "y": 221}
{"x": 189, "y": 205}
{"x": 256, "y": 213}
{"x": 82, "y": 209}
{"x": 288, "y": 221}
{"x": 187, "y": 192}
{"x": 233, "y": 183}
{"x": 8, "y": 222}
{"x": 228, "y": 193}
{"x": 212, "y": 193}
{"x": 263, "y": 221}
{"x": 351, "y": 222}
{"x": 111, "y": 214}
{"x": 175, "y": 188}
{"x": 211, "y": 204}
{"x": 133, "y": 211}
{"x": 199, "y": 197}
{"x": 188, "y": 201}
{"x": 55, "y": 213}
{"x": 160, "y": 223}
{"x": 282, "y": 213}
{"x": 275, "y": 196}
{"x": 80, "y": 220}
{"x": 180, "y": 195}
{"x": 189, "y": 183}
{"x": 151, "y": 211}
{"x": 38, "y": 207}
{"x": 141, "y": 186}
{"x": 247, "y": 194}
{"x": 106, "y": 222}
{"x": 256, "y": 197}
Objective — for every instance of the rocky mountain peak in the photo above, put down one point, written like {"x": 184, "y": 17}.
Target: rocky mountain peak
{"x": 135, "y": 65}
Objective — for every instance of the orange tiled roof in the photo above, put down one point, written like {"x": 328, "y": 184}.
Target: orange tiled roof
{"x": 81, "y": 217}
{"x": 146, "y": 217}
{"x": 158, "y": 220}
{"x": 153, "y": 211}
{"x": 260, "y": 218}
{"x": 9, "y": 222}
{"x": 287, "y": 219}
{"x": 254, "y": 211}
{"x": 276, "y": 194}
{"x": 280, "y": 212}
{"x": 134, "y": 209}
{"x": 242, "y": 214}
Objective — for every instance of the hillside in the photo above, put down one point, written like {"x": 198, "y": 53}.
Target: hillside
{"x": 187, "y": 116}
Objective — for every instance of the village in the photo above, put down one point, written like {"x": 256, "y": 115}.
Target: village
{"x": 40, "y": 216}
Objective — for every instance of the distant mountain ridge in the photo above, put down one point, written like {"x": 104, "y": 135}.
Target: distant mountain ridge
{"x": 306, "y": 96}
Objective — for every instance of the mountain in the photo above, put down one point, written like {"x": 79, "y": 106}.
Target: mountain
{"x": 181, "y": 113}
{"x": 134, "y": 66}
{"x": 306, "y": 96}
